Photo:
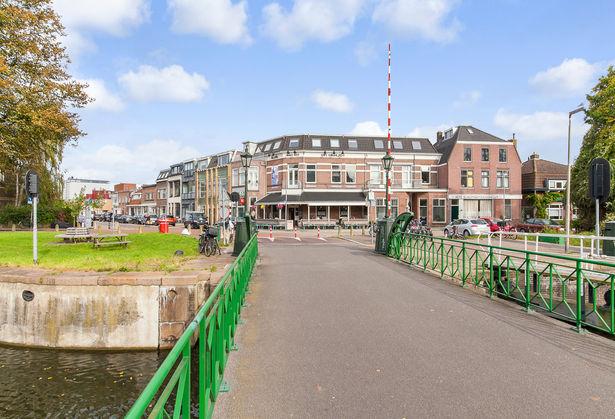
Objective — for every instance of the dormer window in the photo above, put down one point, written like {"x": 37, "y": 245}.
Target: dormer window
{"x": 335, "y": 143}
{"x": 416, "y": 145}
{"x": 315, "y": 142}
{"x": 378, "y": 144}
{"x": 277, "y": 145}
{"x": 293, "y": 143}
{"x": 352, "y": 144}
{"x": 397, "y": 145}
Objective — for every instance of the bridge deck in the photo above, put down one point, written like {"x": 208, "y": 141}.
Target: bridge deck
{"x": 334, "y": 330}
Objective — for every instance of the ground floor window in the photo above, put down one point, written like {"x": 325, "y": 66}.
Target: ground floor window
{"x": 508, "y": 209}
{"x": 438, "y": 210}
{"x": 556, "y": 211}
{"x": 343, "y": 212}
{"x": 381, "y": 207}
{"x": 423, "y": 208}
{"x": 475, "y": 208}
{"x": 321, "y": 212}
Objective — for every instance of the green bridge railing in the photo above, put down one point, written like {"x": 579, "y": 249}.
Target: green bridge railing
{"x": 216, "y": 323}
{"x": 577, "y": 290}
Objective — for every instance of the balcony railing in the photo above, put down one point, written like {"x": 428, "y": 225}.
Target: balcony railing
{"x": 188, "y": 195}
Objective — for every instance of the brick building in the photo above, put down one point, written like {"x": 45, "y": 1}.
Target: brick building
{"x": 482, "y": 174}
{"x": 540, "y": 176}
{"x": 162, "y": 191}
{"x": 213, "y": 185}
{"x": 123, "y": 192}
{"x": 319, "y": 179}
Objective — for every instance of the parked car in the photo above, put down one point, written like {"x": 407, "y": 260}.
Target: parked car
{"x": 151, "y": 220}
{"x": 195, "y": 220}
{"x": 493, "y": 223}
{"x": 538, "y": 225}
{"x": 467, "y": 227}
{"x": 168, "y": 218}
{"x": 140, "y": 219}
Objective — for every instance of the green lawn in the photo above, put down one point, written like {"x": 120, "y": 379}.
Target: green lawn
{"x": 146, "y": 252}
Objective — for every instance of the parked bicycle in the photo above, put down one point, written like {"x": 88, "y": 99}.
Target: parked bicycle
{"x": 208, "y": 242}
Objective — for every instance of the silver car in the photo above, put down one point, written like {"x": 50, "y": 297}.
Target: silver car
{"x": 467, "y": 227}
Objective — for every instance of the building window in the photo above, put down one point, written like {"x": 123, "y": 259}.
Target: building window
{"x": 381, "y": 207}
{"x": 293, "y": 143}
{"x": 235, "y": 177}
{"x": 277, "y": 145}
{"x": 502, "y": 179}
{"x": 315, "y": 142}
{"x": 374, "y": 174}
{"x": 406, "y": 176}
{"x": 467, "y": 154}
{"x": 508, "y": 209}
{"x": 335, "y": 143}
{"x": 202, "y": 189}
{"x": 310, "y": 173}
{"x": 503, "y": 157}
{"x": 397, "y": 145}
{"x": 423, "y": 208}
{"x": 344, "y": 212}
{"x": 242, "y": 177}
{"x": 222, "y": 160}
{"x": 416, "y": 145}
{"x": 336, "y": 174}
{"x": 484, "y": 178}
{"x": 351, "y": 173}
{"x": 438, "y": 210}
{"x": 321, "y": 212}
{"x": 557, "y": 184}
{"x": 467, "y": 178}
{"x": 425, "y": 173}
{"x": 378, "y": 144}
{"x": 253, "y": 178}
{"x": 293, "y": 175}
{"x": 267, "y": 147}
{"x": 275, "y": 178}
{"x": 352, "y": 144}
{"x": 484, "y": 154}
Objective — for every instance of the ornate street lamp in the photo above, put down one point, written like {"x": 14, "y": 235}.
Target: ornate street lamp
{"x": 387, "y": 163}
{"x": 246, "y": 159}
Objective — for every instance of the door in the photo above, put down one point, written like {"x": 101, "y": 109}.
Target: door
{"x": 454, "y": 209}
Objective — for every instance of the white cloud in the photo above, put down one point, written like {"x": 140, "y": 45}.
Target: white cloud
{"x": 331, "y": 101}
{"x": 419, "y": 18}
{"x": 139, "y": 164}
{"x": 538, "y": 126}
{"x": 429, "y": 131}
{"x": 365, "y": 53}
{"x": 113, "y": 17}
{"x": 168, "y": 84}
{"x": 221, "y": 20}
{"x": 103, "y": 98}
{"x": 320, "y": 20}
{"x": 572, "y": 77}
{"x": 467, "y": 99}
{"x": 367, "y": 128}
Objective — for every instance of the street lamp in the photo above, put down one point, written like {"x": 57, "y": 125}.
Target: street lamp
{"x": 246, "y": 159}
{"x": 580, "y": 108}
{"x": 387, "y": 163}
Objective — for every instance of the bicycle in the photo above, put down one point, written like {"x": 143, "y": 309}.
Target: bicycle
{"x": 208, "y": 243}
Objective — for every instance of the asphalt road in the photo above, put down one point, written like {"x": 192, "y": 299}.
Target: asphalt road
{"x": 333, "y": 330}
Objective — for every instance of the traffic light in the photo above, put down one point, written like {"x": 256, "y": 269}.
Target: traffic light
{"x": 31, "y": 183}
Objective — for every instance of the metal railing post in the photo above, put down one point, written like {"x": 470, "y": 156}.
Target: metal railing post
{"x": 463, "y": 264}
{"x": 491, "y": 272}
{"x": 528, "y": 267}
{"x": 580, "y": 299}
{"x": 441, "y": 257}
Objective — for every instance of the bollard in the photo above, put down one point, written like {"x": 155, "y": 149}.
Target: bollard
{"x": 318, "y": 233}
{"x": 57, "y": 228}
{"x": 339, "y": 231}
{"x": 351, "y": 231}
{"x": 99, "y": 229}
{"x": 363, "y": 230}
{"x": 140, "y": 229}
{"x": 296, "y": 237}
{"x": 13, "y": 227}
{"x": 271, "y": 233}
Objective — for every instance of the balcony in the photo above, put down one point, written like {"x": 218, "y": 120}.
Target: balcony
{"x": 188, "y": 195}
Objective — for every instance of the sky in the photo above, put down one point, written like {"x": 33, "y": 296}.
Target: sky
{"x": 176, "y": 79}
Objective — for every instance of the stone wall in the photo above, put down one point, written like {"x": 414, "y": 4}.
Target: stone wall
{"x": 99, "y": 311}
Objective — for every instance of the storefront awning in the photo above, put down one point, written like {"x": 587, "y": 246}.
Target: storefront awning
{"x": 315, "y": 199}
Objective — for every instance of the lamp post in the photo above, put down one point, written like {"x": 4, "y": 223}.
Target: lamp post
{"x": 387, "y": 163}
{"x": 568, "y": 212}
{"x": 246, "y": 159}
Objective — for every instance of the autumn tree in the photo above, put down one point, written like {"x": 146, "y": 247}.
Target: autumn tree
{"x": 598, "y": 142}
{"x": 38, "y": 97}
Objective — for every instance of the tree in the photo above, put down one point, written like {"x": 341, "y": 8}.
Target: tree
{"x": 540, "y": 202}
{"x": 598, "y": 142}
{"x": 38, "y": 97}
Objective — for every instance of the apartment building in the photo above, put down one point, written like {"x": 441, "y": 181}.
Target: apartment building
{"x": 540, "y": 176}
{"x": 122, "y": 195}
{"x": 174, "y": 182}
{"x": 188, "y": 183}
{"x": 319, "y": 179}
{"x": 75, "y": 186}
{"x": 142, "y": 201}
{"x": 481, "y": 174}
{"x": 162, "y": 191}
{"x": 213, "y": 185}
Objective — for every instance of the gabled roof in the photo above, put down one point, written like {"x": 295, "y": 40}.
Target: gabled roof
{"x": 538, "y": 165}
{"x": 339, "y": 143}
{"x": 464, "y": 133}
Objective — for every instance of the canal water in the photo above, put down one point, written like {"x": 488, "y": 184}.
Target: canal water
{"x": 39, "y": 383}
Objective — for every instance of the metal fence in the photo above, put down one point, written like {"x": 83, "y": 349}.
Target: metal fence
{"x": 168, "y": 392}
{"x": 577, "y": 290}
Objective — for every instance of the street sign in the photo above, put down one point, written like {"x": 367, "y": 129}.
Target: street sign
{"x": 31, "y": 183}
{"x": 600, "y": 179}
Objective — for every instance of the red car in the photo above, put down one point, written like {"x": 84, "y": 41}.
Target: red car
{"x": 538, "y": 225}
{"x": 168, "y": 218}
{"x": 492, "y": 223}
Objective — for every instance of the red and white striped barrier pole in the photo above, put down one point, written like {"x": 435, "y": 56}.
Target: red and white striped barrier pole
{"x": 297, "y": 237}
{"x": 271, "y": 233}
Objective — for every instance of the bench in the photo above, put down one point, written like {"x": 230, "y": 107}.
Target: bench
{"x": 75, "y": 234}
{"x": 115, "y": 243}
{"x": 102, "y": 240}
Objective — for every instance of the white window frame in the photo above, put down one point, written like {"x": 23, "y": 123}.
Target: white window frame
{"x": 482, "y": 178}
{"x": 338, "y": 171}
{"x": 308, "y": 170}
{"x": 334, "y": 143}
{"x": 406, "y": 176}
{"x": 375, "y": 174}
{"x": 353, "y": 170}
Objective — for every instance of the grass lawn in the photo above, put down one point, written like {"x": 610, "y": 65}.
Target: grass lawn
{"x": 146, "y": 252}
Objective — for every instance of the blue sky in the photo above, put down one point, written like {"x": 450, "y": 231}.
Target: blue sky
{"x": 181, "y": 78}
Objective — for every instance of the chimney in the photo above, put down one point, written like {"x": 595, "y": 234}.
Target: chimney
{"x": 534, "y": 156}
{"x": 514, "y": 140}
{"x": 439, "y": 136}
